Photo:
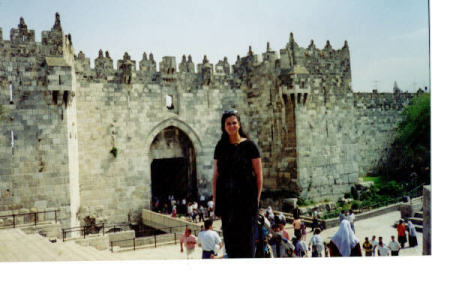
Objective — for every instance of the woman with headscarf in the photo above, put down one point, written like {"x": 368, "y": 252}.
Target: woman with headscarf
{"x": 344, "y": 242}
{"x": 270, "y": 213}
{"x": 412, "y": 236}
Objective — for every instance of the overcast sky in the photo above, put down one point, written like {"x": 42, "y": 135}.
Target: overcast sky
{"x": 388, "y": 40}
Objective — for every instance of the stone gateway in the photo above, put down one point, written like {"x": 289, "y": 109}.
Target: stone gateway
{"x": 103, "y": 141}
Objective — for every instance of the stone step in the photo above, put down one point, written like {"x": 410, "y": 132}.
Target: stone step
{"x": 416, "y": 221}
{"x": 419, "y": 215}
{"x": 18, "y": 246}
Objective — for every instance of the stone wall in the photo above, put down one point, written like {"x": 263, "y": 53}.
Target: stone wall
{"x": 130, "y": 118}
{"x": 315, "y": 135}
{"x": 376, "y": 118}
{"x": 162, "y": 222}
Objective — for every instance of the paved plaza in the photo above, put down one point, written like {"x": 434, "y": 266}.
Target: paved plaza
{"x": 18, "y": 246}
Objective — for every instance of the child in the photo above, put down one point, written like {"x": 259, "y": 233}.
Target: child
{"x": 368, "y": 248}
{"x": 317, "y": 244}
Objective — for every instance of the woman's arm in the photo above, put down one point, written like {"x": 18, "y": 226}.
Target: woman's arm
{"x": 257, "y": 168}
{"x": 214, "y": 182}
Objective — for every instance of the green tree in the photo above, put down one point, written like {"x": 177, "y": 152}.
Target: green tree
{"x": 410, "y": 152}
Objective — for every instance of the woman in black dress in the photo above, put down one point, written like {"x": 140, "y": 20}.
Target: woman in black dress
{"x": 237, "y": 184}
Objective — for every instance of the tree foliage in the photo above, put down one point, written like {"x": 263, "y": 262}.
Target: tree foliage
{"x": 410, "y": 152}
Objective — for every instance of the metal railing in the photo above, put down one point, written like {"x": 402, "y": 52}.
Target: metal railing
{"x": 96, "y": 229}
{"x": 154, "y": 236}
{"x": 134, "y": 241}
{"x": 35, "y": 217}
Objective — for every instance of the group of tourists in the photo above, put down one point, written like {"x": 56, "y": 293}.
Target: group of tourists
{"x": 195, "y": 211}
{"x": 252, "y": 232}
{"x": 272, "y": 240}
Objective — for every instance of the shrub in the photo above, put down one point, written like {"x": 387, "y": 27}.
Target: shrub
{"x": 304, "y": 202}
{"x": 391, "y": 188}
{"x": 347, "y": 206}
{"x": 356, "y": 204}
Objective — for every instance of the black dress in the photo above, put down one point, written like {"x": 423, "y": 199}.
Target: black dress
{"x": 334, "y": 251}
{"x": 236, "y": 196}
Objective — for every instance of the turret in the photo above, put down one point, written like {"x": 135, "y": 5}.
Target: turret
{"x": 21, "y": 34}
{"x": 126, "y": 68}
{"x": 54, "y": 39}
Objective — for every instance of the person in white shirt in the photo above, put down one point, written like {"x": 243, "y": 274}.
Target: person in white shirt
{"x": 210, "y": 208}
{"x": 374, "y": 243}
{"x": 316, "y": 242}
{"x": 190, "y": 210}
{"x": 301, "y": 249}
{"x": 208, "y": 239}
{"x": 381, "y": 248}
{"x": 394, "y": 246}
{"x": 183, "y": 206}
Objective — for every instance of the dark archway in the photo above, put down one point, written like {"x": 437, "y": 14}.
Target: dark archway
{"x": 173, "y": 166}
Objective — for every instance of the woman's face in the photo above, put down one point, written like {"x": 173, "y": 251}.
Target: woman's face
{"x": 232, "y": 125}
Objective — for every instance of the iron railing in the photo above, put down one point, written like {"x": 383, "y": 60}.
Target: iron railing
{"x": 134, "y": 241}
{"x": 96, "y": 229}
{"x": 35, "y": 217}
{"x": 154, "y": 236}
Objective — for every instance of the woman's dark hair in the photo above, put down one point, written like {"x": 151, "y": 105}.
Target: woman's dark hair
{"x": 226, "y": 115}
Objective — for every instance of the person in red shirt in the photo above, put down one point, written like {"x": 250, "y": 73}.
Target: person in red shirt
{"x": 401, "y": 232}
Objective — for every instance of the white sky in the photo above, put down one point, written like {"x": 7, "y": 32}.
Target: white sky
{"x": 388, "y": 40}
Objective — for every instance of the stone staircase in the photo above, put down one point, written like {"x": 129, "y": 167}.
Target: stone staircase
{"x": 19, "y": 246}
{"x": 417, "y": 220}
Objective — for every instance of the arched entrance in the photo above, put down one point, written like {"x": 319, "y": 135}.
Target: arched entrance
{"x": 173, "y": 166}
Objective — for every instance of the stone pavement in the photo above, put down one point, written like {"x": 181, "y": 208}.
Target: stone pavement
{"x": 17, "y": 246}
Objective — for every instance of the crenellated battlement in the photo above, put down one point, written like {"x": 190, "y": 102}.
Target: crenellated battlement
{"x": 330, "y": 64}
{"x": 64, "y": 118}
